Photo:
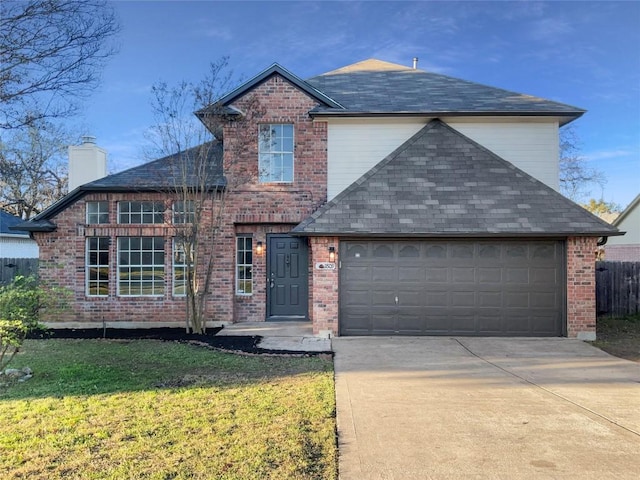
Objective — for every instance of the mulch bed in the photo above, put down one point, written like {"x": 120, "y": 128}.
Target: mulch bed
{"x": 240, "y": 343}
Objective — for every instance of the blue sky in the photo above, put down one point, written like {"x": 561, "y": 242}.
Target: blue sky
{"x": 586, "y": 54}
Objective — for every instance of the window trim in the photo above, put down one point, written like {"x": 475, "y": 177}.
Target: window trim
{"x": 141, "y": 266}
{"x": 155, "y": 204}
{"x": 174, "y": 267}
{"x": 98, "y": 213}
{"x": 276, "y": 152}
{"x": 88, "y": 266}
{"x": 239, "y": 265}
{"x": 182, "y": 217}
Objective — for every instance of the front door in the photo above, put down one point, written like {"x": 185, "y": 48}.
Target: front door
{"x": 287, "y": 271}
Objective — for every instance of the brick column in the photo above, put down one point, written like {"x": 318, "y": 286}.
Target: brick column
{"x": 581, "y": 288}
{"x": 324, "y": 287}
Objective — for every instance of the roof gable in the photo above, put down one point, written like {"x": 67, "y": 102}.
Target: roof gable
{"x": 441, "y": 183}
{"x": 375, "y": 87}
{"x": 627, "y": 211}
{"x": 223, "y": 104}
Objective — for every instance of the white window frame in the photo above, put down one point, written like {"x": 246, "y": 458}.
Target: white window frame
{"x": 242, "y": 266}
{"x": 88, "y": 265}
{"x": 182, "y": 216}
{"x": 178, "y": 263}
{"x": 143, "y": 208}
{"x": 269, "y": 153}
{"x": 132, "y": 267}
{"x": 102, "y": 208}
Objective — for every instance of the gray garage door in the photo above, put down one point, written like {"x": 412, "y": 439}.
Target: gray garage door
{"x": 451, "y": 287}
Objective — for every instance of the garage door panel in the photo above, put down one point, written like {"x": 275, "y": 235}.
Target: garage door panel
{"x": 357, "y": 298}
{"x": 463, "y": 274}
{"x": 382, "y": 273}
{"x": 448, "y": 287}
{"x": 490, "y": 275}
{"x": 411, "y": 274}
{"x": 544, "y": 276}
{"x": 490, "y": 299}
{"x": 436, "y": 299}
{"x": 463, "y": 299}
{"x": 353, "y": 274}
{"x": 437, "y": 274}
{"x": 516, "y": 299}
{"x": 517, "y": 275}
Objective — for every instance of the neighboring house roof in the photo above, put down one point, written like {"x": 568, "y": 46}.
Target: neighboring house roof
{"x": 627, "y": 211}
{"x": 222, "y": 105}
{"x": 163, "y": 174}
{"x": 383, "y": 88}
{"x": 7, "y": 221}
{"x": 441, "y": 183}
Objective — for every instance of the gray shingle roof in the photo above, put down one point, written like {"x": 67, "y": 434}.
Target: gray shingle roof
{"x": 377, "y": 87}
{"x": 441, "y": 183}
{"x": 7, "y": 221}
{"x": 159, "y": 175}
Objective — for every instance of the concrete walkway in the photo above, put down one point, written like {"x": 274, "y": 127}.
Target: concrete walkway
{"x": 291, "y": 336}
{"x": 485, "y": 408}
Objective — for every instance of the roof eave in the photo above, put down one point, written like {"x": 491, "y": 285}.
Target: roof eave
{"x": 568, "y": 116}
{"x": 487, "y": 234}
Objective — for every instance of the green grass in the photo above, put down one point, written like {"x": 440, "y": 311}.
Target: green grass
{"x": 619, "y": 336}
{"x": 106, "y": 409}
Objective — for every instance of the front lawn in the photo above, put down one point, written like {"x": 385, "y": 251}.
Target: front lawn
{"x": 113, "y": 409}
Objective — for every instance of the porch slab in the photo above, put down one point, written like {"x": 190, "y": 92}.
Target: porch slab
{"x": 292, "y": 336}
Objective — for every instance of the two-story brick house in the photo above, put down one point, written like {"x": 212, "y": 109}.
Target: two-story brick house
{"x": 383, "y": 200}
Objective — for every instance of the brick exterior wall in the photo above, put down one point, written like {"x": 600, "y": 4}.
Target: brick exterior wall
{"x": 253, "y": 208}
{"x": 622, "y": 253}
{"x": 581, "y": 287}
{"x": 323, "y": 287}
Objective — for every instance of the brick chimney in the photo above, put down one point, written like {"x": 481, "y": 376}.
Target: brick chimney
{"x": 87, "y": 162}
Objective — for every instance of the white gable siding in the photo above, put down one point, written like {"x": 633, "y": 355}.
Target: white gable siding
{"x": 630, "y": 224}
{"x": 15, "y": 246}
{"x": 356, "y": 145}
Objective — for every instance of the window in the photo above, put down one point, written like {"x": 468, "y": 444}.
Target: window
{"x": 97, "y": 212}
{"x": 275, "y": 148}
{"x": 180, "y": 269}
{"x": 184, "y": 211}
{"x": 244, "y": 266}
{"x": 141, "y": 212}
{"x": 140, "y": 266}
{"x": 97, "y": 266}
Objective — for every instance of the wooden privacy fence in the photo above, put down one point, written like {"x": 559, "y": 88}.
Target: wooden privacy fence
{"x": 10, "y": 267}
{"x": 617, "y": 288}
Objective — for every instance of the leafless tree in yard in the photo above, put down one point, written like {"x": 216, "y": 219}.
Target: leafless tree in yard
{"x": 576, "y": 176}
{"x": 33, "y": 168}
{"x": 198, "y": 184}
{"x": 51, "y": 56}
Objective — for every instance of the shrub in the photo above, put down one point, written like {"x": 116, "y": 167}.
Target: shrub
{"x": 20, "y": 304}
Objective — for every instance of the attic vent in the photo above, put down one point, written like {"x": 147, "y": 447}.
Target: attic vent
{"x": 415, "y": 63}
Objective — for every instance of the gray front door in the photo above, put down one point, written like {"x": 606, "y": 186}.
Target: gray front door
{"x": 452, "y": 287}
{"x": 287, "y": 272}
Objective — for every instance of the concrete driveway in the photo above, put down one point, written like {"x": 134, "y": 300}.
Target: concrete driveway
{"x": 485, "y": 408}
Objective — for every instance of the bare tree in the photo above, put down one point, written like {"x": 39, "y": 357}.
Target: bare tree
{"x": 576, "y": 176}
{"x": 33, "y": 168}
{"x": 199, "y": 186}
{"x": 51, "y": 56}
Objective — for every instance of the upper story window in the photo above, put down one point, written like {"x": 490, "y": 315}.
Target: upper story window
{"x": 184, "y": 211}
{"x": 275, "y": 149}
{"x": 140, "y": 212}
{"x": 97, "y": 212}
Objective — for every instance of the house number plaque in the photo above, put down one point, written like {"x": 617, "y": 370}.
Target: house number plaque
{"x": 325, "y": 266}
